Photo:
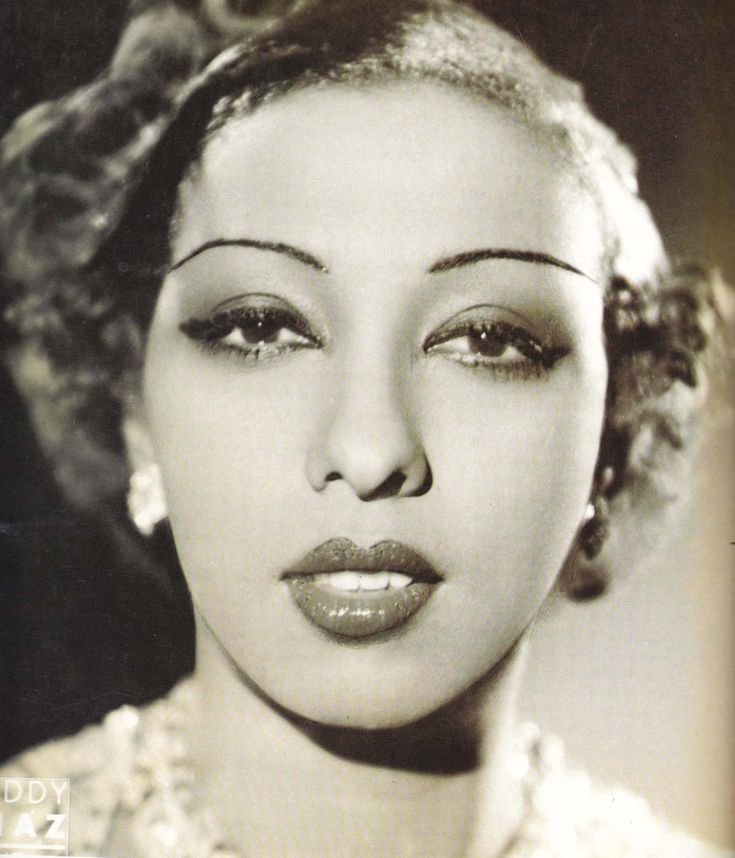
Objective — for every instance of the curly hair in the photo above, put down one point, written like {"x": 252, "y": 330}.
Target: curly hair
{"x": 88, "y": 195}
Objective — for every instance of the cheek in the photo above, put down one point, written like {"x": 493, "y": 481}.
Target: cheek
{"x": 231, "y": 444}
{"x": 513, "y": 464}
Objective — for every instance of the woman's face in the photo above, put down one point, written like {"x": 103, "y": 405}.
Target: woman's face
{"x": 358, "y": 363}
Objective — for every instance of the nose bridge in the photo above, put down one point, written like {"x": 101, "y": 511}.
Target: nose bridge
{"x": 369, "y": 437}
{"x": 371, "y": 408}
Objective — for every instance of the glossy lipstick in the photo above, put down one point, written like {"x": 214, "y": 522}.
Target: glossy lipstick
{"x": 357, "y": 592}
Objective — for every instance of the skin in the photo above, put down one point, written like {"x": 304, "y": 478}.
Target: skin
{"x": 378, "y": 184}
{"x": 374, "y": 422}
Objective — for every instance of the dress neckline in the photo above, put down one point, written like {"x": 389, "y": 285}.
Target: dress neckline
{"x": 168, "y": 823}
{"x": 564, "y": 814}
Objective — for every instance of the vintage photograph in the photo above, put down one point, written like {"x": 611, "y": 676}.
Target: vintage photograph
{"x": 366, "y": 404}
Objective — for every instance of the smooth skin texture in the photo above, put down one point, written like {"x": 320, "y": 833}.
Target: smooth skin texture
{"x": 370, "y": 421}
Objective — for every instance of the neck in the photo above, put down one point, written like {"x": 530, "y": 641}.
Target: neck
{"x": 283, "y": 786}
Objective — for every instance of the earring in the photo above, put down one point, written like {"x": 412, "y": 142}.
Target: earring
{"x": 596, "y": 527}
{"x": 146, "y": 500}
{"x": 588, "y": 579}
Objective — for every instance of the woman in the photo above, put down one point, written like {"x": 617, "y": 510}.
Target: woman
{"x": 370, "y": 312}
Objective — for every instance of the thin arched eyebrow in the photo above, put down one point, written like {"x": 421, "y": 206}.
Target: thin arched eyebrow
{"x": 273, "y": 246}
{"x": 470, "y": 257}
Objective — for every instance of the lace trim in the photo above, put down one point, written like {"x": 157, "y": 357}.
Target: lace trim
{"x": 135, "y": 765}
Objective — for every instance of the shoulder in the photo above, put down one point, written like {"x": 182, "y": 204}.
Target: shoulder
{"x": 573, "y": 817}
{"x": 99, "y": 764}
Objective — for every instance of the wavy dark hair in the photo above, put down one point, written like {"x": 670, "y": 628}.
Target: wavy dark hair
{"x": 88, "y": 193}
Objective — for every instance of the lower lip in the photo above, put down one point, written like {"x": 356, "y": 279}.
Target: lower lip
{"x": 357, "y": 614}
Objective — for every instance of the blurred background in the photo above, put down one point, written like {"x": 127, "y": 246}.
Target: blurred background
{"x": 640, "y": 684}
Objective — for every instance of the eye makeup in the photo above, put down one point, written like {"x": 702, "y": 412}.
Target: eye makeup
{"x": 480, "y": 337}
{"x": 257, "y": 327}
{"x": 260, "y": 327}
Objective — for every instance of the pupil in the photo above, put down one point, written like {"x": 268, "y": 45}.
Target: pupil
{"x": 487, "y": 343}
{"x": 261, "y": 332}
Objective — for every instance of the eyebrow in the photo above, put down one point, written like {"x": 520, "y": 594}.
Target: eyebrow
{"x": 273, "y": 246}
{"x": 458, "y": 260}
{"x": 470, "y": 257}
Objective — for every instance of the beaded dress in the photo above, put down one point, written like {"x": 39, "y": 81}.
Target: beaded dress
{"x": 133, "y": 767}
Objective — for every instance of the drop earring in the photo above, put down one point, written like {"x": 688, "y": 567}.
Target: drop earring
{"x": 146, "y": 499}
{"x": 588, "y": 577}
{"x": 596, "y": 527}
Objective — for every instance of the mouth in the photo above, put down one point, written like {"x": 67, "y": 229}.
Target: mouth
{"x": 357, "y": 592}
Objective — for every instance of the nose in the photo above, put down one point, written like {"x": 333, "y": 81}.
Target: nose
{"x": 369, "y": 441}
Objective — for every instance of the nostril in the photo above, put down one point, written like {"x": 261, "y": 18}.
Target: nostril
{"x": 377, "y": 459}
{"x": 425, "y": 484}
{"x": 387, "y": 489}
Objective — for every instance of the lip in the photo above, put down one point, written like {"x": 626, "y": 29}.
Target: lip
{"x": 360, "y": 614}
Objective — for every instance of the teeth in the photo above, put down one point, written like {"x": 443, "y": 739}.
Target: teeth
{"x": 375, "y": 581}
{"x": 344, "y": 580}
{"x": 366, "y": 581}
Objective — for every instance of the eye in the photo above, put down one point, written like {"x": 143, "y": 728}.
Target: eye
{"x": 263, "y": 327}
{"x": 481, "y": 338}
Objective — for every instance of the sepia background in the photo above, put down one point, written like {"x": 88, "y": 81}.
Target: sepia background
{"x": 639, "y": 684}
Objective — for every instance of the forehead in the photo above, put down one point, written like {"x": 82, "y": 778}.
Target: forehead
{"x": 412, "y": 168}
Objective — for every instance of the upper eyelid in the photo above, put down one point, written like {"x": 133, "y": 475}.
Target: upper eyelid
{"x": 249, "y": 299}
{"x": 498, "y": 308}
{"x": 463, "y": 319}
{"x": 250, "y": 304}
{"x": 251, "y": 314}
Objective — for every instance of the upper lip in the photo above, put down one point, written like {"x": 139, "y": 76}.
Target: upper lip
{"x": 341, "y": 554}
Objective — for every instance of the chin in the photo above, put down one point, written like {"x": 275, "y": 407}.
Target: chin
{"x": 371, "y": 710}
{"x": 375, "y": 688}
{"x": 378, "y": 682}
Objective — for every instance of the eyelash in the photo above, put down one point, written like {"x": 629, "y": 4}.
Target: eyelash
{"x": 210, "y": 333}
{"x": 535, "y": 360}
